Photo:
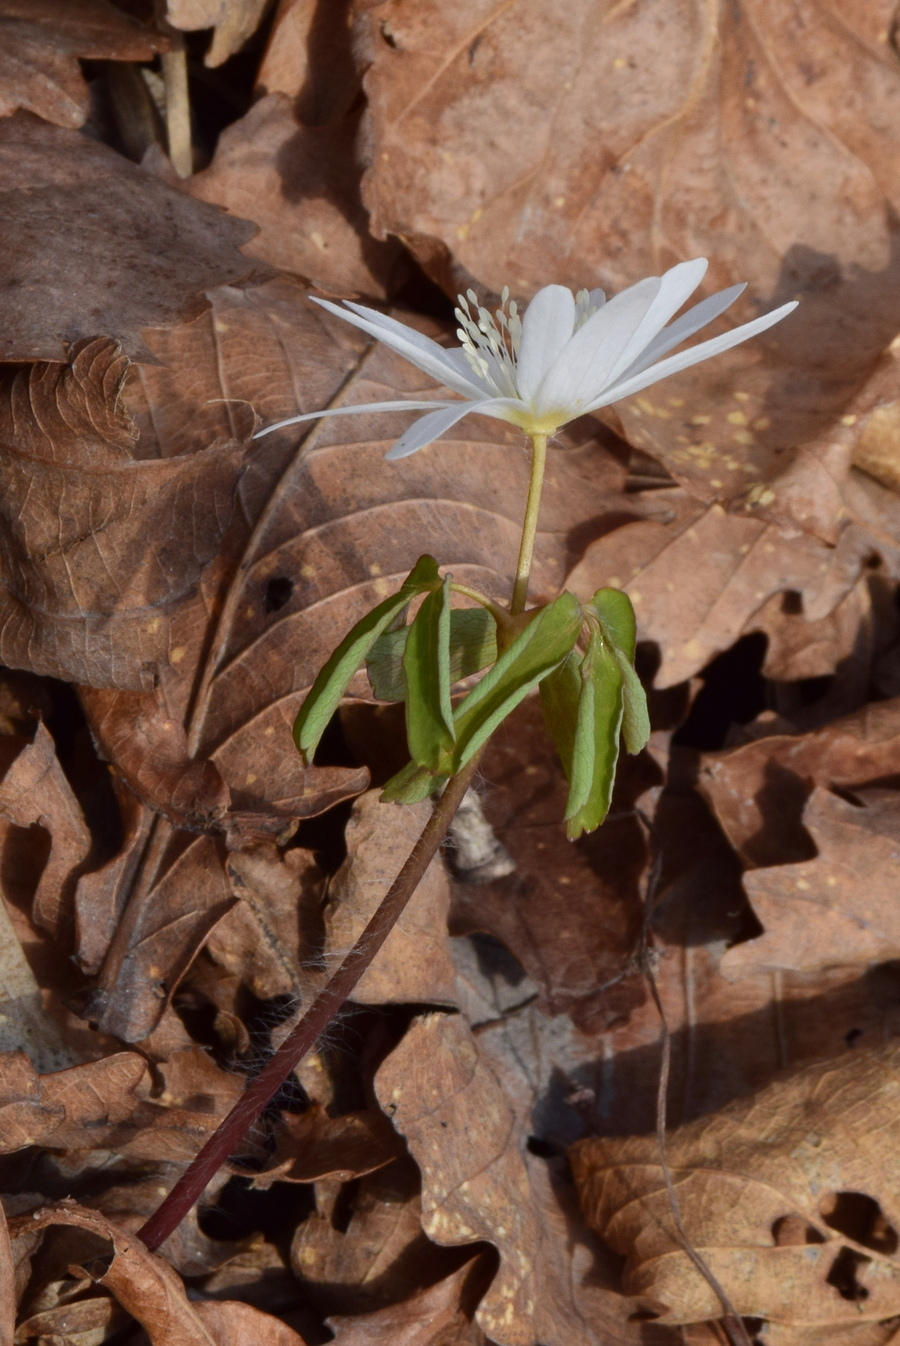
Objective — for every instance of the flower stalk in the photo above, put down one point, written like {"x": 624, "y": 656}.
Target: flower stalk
{"x": 529, "y": 526}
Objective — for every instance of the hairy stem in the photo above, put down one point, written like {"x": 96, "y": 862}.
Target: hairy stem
{"x": 529, "y": 526}
{"x": 326, "y": 1005}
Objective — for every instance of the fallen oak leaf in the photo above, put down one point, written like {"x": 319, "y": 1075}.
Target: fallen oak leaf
{"x": 445, "y": 1099}
{"x": 838, "y": 908}
{"x": 232, "y": 21}
{"x": 785, "y": 1194}
{"x": 120, "y": 251}
{"x": 77, "y": 1108}
{"x": 41, "y": 44}
{"x": 436, "y": 1316}
{"x": 310, "y": 1146}
{"x": 759, "y": 790}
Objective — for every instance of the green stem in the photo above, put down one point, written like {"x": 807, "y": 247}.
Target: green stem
{"x": 499, "y": 614}
{"x": 529, "y": 525}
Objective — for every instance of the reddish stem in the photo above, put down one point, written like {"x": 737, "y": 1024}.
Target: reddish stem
{"x": 225, "y": 1140}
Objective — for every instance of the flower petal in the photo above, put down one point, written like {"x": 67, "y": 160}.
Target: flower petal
{"x": 683, "y": 328}
{"x": 581, "y": 369}
{"x": 676, "y": 286}
{"x": 420, "y": 350}
{"x": 546, "y": 327}
{"x": 423, "y": 431}
{"x": 692, "y": 356}
{"x": 351, "y": 411}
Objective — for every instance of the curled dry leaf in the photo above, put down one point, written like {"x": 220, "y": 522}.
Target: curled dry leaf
{"x": 759, "y": 790}
{"x": 147, "y": 1288}
{"x": 8, "y": 1288}
{"x": 839, "y": 908}
{"x": 789, "y": 1195}
{"x": 41, "y": 42}
{"x": 120, "y": 251}
{"x": 639, "y": 137}
{"x": 414, "y": 964}
{"x": 444, "y": 1098}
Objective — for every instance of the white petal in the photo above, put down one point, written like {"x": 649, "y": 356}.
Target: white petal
{"x": 427, "y": 429}
{"x": 683, "y": 328}
{"x": 693, "y": 356}
{"x": 456, "y": 357}
{"x": 546, "y": 327}
{"x": 420, "y": 350}
{"x": 352, "y": 411}
{"x": 582, "y": 367}
{"x": 676, "y": 286}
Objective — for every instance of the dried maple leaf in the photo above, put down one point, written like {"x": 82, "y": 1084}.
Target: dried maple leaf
{"x": 640, "y": 137}
{"x": 444, "y": 1098}
{"x": 41, "y": 42}
{"x": 119, "y": 250}
{"x": 786, "y": 1194}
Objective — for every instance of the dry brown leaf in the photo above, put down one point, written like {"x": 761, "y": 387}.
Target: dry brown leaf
{"x": 78, "y": 1108}
{"x": 233, "y": 21}
{"x": 433, "y": 1317}
{"x": 788, "y": 1195}
{"x": 309, "y": 58}
{"x": 148, "y": 1288}
{"x": 41, "y": 42}
{"x": 837, "y": 909}
{"x": 444, "y": 1098}
{"x": 266, "y": 936}
{"x": 570, "y": 913}
{"x": 521, "y": 146}
{"x": 759, "y": 790}
{"x": 120, "y": 251}
{"x": 300, "y": 185}
{"x": 99, "y": 543}
{"x": 310, "y": 1146}
{"x": 34, "y": 792}
{"x": 414, "y": 964}
{"x": 700, "y": 578}
{"x": 364, "y": 1248}
{"x": 8, "y": 1295}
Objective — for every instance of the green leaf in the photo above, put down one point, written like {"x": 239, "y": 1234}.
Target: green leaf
{"x": 595, "y": 747}
{"x": 411, "y": 785}
{"x": 560, "y": 692}
{"x": 473, "y": 645}
{"x": 426, "y": 666}
{"x": 324, "y": 696}
{"x": 543, "y": 644}
{"x": 635, "y": 716}
{"x": 617, "y": 619}
{"x": 616, "y": 614}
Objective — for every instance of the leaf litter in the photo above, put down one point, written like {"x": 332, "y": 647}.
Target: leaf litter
{"x": 468, "y": 1155}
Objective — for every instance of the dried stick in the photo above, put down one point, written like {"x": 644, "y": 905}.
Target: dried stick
{"x": 731, "y": 1320}
{"x": 320, "y": 1014}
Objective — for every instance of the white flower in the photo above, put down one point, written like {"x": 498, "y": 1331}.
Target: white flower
{"x": 567, "y": 356}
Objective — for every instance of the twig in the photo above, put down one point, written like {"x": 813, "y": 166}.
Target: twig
{"x": 321, "y": 1012}
{"x": 731, "y": 1320}
{"x": 178, "y": 106}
